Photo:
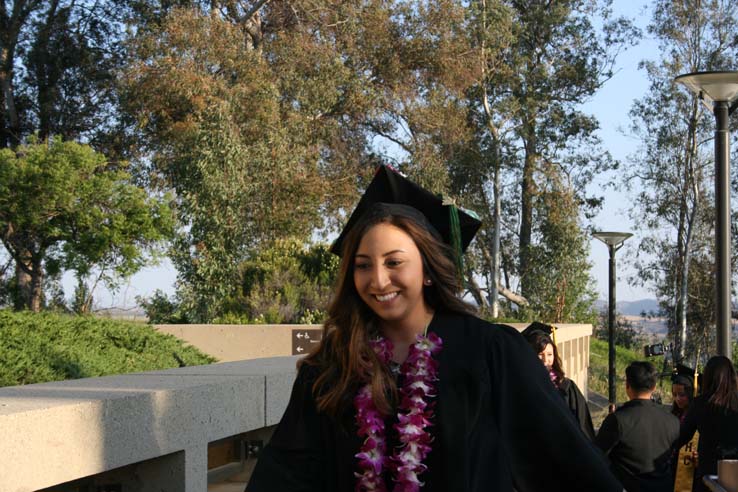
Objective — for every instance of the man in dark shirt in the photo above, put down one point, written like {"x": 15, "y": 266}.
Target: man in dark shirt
{"x": 639, "y": 436}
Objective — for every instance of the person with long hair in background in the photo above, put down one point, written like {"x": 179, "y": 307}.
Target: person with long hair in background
{"x": 537, "y": 335}
{"x": 714, "y": 414}
{"x": 408, "y": 390}
{"x": 682, "y": 393}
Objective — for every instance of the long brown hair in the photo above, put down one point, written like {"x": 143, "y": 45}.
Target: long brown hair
{"x": 720, "y": 385}
{"x": 344, "y": 358}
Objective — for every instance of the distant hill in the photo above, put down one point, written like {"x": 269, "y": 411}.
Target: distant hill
{"x": 631, "y": 308}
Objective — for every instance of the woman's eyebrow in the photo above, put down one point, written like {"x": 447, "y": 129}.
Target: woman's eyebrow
{"x": 363, "y": 255}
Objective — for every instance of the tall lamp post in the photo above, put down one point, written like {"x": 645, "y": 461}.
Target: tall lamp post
{"x": 614, "y": 241}
{"x": 720, "y": 89}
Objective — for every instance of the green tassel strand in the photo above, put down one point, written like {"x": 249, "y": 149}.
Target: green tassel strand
{"x": 456, "y": 239}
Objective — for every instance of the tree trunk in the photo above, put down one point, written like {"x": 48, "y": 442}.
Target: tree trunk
{"x": 475, "y": 290}
{"x": 37, "y": 290}
{"x": 683, "y": 300}
{"x": 691, "y": 188}
{"x": 45, "y": 85}
{"x": 11, "y": 123}
{"x": 23, "y": 285}
{"x": 494, "y": 291}
{"x": 29, "y": 276}
{"x": 527, "y": 192}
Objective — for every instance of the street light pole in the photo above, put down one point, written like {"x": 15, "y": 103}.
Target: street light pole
{"x": 722, "y": 89}
{"x": 611, "y": 307}
{"x": 614, "y": 241}
{"x": 722, "y": 227}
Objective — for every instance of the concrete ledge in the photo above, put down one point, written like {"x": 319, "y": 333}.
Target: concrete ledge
{"x": 163, "y": 421}
{"x": 237, "y": 342}
{"x": 58, "y": 432}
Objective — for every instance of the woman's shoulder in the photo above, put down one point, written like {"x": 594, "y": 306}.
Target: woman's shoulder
{"x": 567, "y": 384}
{"x": 469, "y": 328}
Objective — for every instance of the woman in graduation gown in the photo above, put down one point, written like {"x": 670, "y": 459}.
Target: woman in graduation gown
{"x": 410, "y": 391}
{"x": 538, "y": 336}
{"x": 715, "y": 415}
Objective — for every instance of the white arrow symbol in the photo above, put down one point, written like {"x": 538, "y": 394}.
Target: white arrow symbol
{"x": 300, "y": 349}
{"x": 299, "y": 335}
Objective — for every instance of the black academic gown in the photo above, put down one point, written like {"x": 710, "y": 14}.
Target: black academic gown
{"x": 718, "y": 430}
{"x": 499, "y": 424}
{"x": 578, "y": 406}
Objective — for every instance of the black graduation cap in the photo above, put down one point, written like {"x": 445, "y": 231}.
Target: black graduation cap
{"x": 391, "y": 188}
{"x": 536, "y": 328}
{"x": 684, "y": 375}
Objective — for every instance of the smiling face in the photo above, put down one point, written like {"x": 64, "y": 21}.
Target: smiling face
{"x": 388, "y": 275}
{"x": 547, "y": 356}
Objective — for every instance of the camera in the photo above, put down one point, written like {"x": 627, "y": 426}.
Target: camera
{"x": 657, "y": 349}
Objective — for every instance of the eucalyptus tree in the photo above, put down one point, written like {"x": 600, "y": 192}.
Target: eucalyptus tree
{"x": 538, "y": 62}
{"x": 672, "y": 173}
{"x": 560, "y": 61}
{"x": 58, "y": 60}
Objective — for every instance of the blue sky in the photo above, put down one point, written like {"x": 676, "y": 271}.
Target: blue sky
{"x": 610, "y": 105}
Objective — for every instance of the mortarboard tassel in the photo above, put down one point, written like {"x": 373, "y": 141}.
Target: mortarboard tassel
{"x": 456, "y": 239}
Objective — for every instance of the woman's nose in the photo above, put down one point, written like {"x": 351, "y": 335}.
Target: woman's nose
{"x": 380, "y": 279}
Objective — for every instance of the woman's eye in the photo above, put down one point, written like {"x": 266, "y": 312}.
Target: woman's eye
{"x": 393, "y": 263}
{"x": 361, "y": 266}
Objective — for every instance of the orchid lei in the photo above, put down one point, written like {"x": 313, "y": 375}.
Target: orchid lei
{"x": 414, "y": 416}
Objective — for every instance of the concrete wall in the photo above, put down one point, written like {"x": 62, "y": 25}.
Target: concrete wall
{"x": 237, "y": 342}
{"x": 58, "y": 432}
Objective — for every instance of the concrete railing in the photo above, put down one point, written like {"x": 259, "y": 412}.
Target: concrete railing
{"x": 163, "y": 431}
{"x": 157, "y": 424}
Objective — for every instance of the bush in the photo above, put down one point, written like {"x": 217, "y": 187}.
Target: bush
{"x": 39, "y": 347}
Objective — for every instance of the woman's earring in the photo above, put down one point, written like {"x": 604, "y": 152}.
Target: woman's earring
{"x": 427, "y": 282}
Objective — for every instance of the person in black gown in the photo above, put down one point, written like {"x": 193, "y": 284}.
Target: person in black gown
{"x": 715, "y": 415}
{"x": 410, "y": 391}
{"x": 538, "y": 336}
{"x": 682, "y": 394}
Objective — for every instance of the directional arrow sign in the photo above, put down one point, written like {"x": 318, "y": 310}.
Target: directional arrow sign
{"x": 303, "y": 341}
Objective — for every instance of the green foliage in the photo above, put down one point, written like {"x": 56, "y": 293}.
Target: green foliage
{"x": 160, "y": 309}
{"x": 241, "y": 135}
{"x": 262, "y": 134}
{"x": 560, "y": 286}
{"x": 38, "y": 347}
{"x": 58, "y": 61}
{"x": 598, "y": 367}
{"x": 82, "y": 298}
{"x": 63, "y": 207}
{"x": 288, "y": 283}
